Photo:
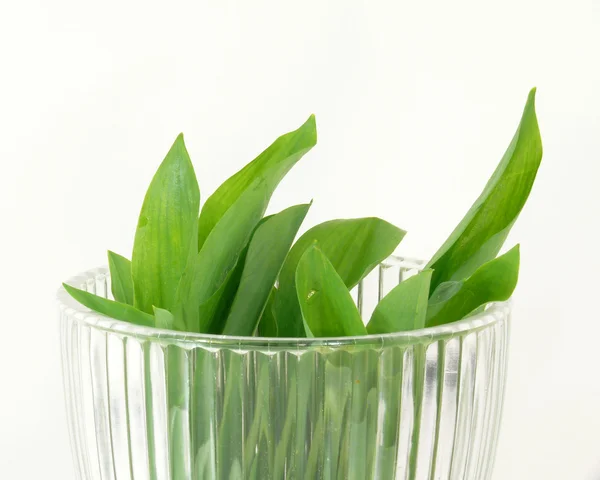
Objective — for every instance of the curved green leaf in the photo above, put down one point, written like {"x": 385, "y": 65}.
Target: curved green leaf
{"x": 481, "y": 233}
{"x": 267, "y": 251}
{"x": 214, "y": 312}
{"x": 121, "y": 280}
{"x": 272, "y": 165}
{"x": 353, "y": 246}
{"x": 268, "y": 325}
{"x": 219, "y": 255}
{"x": 110, "y": 308}
{"x": 494, "y": 281}
{"x": 404, "y": 307}
{"x": 166, "y": 231}
{"x": 326, "y": 304}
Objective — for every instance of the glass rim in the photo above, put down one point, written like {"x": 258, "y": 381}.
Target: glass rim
{"x": 495, "y": 312}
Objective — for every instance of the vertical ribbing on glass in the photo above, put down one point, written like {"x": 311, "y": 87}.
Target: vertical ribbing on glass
{"x": 161, "y": 409}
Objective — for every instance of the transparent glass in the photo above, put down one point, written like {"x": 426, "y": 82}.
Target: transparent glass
{"x": 149, "y": 404}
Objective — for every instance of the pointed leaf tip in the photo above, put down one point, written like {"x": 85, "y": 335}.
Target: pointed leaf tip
{"x": 272, "y": 165}
{"x": 481, "y": 233}
{"x": 531, "y": 98}
{"x": 166, "y": 233}
{"x": 110, "y": 308}
{"x": 493, "y": 281}
{"x": 311, "y": 125}
{"x": 516, "y": 250}
{"x": 404, "y": 307}
{"x": 164, "y": 319}
{"x": 121, "y": 279}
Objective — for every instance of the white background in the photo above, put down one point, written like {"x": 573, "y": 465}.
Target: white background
{"x": 415, "y": 104}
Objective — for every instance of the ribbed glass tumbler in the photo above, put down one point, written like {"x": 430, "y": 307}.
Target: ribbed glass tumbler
{"x": 148, "y": 404}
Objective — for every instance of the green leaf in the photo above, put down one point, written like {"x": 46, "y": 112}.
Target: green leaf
{"x": 267, "y": 251}
{"x": 404, "y": 307}
{"x": 214, "y": 312}
{"x": 268, "y": 325}
{"x": 326, "y": 304}
{"x": 481, "y": 233}
{"x": 219, "y": 255}
{"x": 166, "y": 231}
{"x": 110, "y": 308}
{"x": 272, "y": 165}
{"x": 120, "y": 278}
{"x": 494, "y": 281}
{"x": 353, "y": 246}
{"x": 164, "y": 319}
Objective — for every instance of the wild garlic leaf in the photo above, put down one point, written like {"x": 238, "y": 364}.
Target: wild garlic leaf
{"x": 481, "y": 233}
{"x": 110, "y": 308}
{"x": 120, "y": 278}
{"x": 267, "y": 251}
{"x": 165, "y": 238}
{"x": 353, "y": 246}
{"x": 327, "y": 307}
{"x": 164, "y": 319}
{"x": 272, "y": 165}
{"x": 494, "y": 281}
{"x": 404, "y": 307}
{"x": 268, "y": 325}
{"x": 210, "y": 268}
{"x": 214, "y": 312}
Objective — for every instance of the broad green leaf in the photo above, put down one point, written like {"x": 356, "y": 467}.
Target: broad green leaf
{"x": 268, "y": 325}
{"x": 353, "y": 246}
{"x": 494, "y": 281}
{"x": 164, "y": 319}
{"x": 326, "y": 304}
{"x": 404, "y": 307}
{"x": 166, "y": 231}
{"x": 481, "y": 233}
{"x": 267, "y": 251}
{"x": 214, "y": 312}
{"x": 219, "y": 255}
{"x": 110, "y": 308}
{"x": 120, "y": 278}
{"x": 272, "y": 165}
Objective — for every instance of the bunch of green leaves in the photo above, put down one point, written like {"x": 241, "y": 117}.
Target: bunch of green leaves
{"x": 463, "y": 276}
{"x": 215, "y": 271}
{"x": 229, "y": 269}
